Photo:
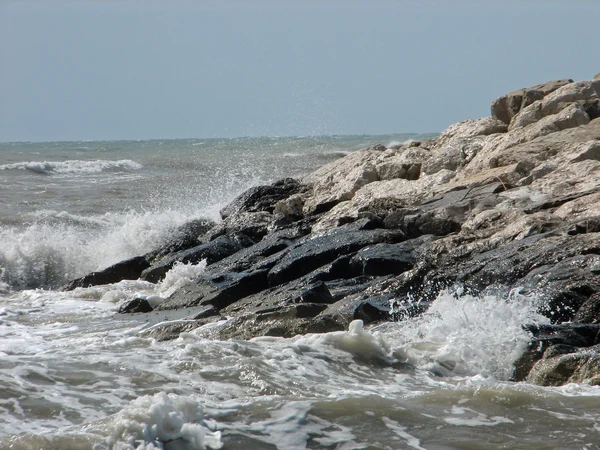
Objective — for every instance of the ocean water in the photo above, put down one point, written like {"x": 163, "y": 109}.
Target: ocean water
{"x": 74, "y": 375}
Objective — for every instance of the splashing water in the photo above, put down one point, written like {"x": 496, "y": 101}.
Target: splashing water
{"x": 468, "y": 335}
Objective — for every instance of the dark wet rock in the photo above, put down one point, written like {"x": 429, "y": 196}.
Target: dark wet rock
{"x": 418, "y": 224}
{"x": 364, "y": 221}
{"x": 137, "y": 305}
{"x": 130, "y": 269}
{"x": 219, "y": 291}
{"x": 374, "y": 309}
{"x": 272, "y": 244}
{"x": 316, "y": 292}
{"x": 263, "y": 198}
{"x": 186, "y": 236}
{"x": 311, "y": 254}
{"x": 212, "y": 252}
{"x": 565, "y": 284}
{"x": 589, "y": 311}
{"x": 555, "y": 265}
{"x": 388, "y": 259}
{"x": 589, "y": 225}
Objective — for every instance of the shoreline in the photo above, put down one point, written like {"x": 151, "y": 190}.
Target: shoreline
{"x": 506, "y": 202}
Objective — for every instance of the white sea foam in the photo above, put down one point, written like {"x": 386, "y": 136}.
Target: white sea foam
{"x": 468, "y": 335}
{"x": 162, "y": 421}
{"x": 73, "y": 166}
{"x": 180, "y": 275}
{"x": 50, "y": 253}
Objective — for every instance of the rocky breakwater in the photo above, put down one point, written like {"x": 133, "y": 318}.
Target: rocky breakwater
{"x": 505, "y": 202}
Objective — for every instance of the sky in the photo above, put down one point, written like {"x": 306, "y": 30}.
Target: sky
{"x": 128, "y": 69}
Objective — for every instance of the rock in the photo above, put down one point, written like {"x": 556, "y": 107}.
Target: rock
{"x": 311, "y": 254}
{"x": 255, "y": 225}
{"x": 262, "y": 198}
{"x": 507, "y": 106}
{"x": 404, "y": 164}
{"x": 339, "y": 180}
{"x": 316, "y": 292}
{"x": 219, "y": 291}
{"x": 184, "y": 237}
{"x": 574, "y": 92}
{"x": 397, "y": 191}
{"x": 468, "y": 129}
{"x": 389, "y": 259}
{"x": 137, "y": 305}
{"x": 565, "y": 283}
{"x": 374, "y": 309}
{"x": 212, "y": 252}
{"x": 244, "y": 259}
{"x": 291, "y": 206}
{"x": 589, "y": 311}
{"x": 549, "y": 341}
{"x": 579, "y": 367}
{"x": 130, "y": 269}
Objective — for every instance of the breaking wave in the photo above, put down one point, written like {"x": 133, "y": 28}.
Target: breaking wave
{"x": 74, "y": 166}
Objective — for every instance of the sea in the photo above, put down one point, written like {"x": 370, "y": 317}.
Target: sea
{"x": 74, "y": 374}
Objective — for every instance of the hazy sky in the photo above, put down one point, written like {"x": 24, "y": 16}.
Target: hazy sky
{"x": 73, "y": 70}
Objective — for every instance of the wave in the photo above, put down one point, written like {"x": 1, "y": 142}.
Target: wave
{"x": 74, "y": 166}
{"x": 59, "y": 246}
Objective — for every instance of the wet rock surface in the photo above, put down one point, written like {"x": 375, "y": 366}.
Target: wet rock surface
{"x": 509, "y": 202}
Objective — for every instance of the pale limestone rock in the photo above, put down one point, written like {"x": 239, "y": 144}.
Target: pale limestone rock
{"x": 507, "y": 106}
{"x": 581, "y": 92}
{"x": 406, "y": 164}
{"x": 574, "y": 92}
{"x": 292, "y": 205}
{"x": 581, "y": 208}
{"x": 521, "y": 143}
{"x": 404, "y": 192}
{"x": 527, "y": 116}
{"x": 454, "y": 155}
{"x": 470, "y": 128}
{"x": 340, "y": 179}
{"x": 570, "y": 117}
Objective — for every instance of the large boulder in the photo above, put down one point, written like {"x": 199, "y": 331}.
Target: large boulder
{"x": 339, "y": 180}
{"x": 184, "y": 237}
{"x": 262, "y": 198}
{"x": 584, "y": 93}
{"x": 311, "y": 254}
{"x": 130, "y": 269}
{"x": 507, "y": 106}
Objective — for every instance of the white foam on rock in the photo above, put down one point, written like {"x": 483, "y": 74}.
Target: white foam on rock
{"x": 180, "y": 275}
{"x": 467, "y": 335}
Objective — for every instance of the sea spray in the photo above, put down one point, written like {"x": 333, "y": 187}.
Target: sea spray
{"x": 50, "y": 252}
{"x": 166, "y": 422}
{"x": 463, "y": 334}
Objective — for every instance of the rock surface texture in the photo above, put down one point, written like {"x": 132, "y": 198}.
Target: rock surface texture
{"x": 505, "y": 202}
